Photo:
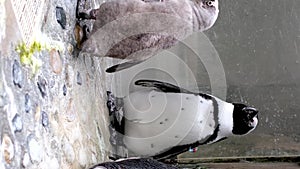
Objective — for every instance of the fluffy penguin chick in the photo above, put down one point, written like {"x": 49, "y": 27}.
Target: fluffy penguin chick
{"x": 137, "y": 29}
{"x": 165, "y": 120}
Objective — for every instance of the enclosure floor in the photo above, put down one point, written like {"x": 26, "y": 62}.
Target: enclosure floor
{"x": 251, "y": 165}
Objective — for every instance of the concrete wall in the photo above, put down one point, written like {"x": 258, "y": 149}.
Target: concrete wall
{"x": 258, "y": 42}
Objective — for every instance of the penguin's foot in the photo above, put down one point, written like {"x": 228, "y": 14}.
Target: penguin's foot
{"x": 116, "y": 138}
{"x": 111, "y": 103}
{"x": 118, "y": 148}
{"x": 80, "y": 9}
{"x": 113, "y": 135}
{"x": 82, "y": 13}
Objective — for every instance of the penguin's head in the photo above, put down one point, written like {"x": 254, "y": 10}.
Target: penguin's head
{"x": 245, "y": 119}
{"x": 210, "y": 4}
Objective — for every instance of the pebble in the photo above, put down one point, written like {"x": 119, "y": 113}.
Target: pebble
{"x": 35, "y": 150}
{"x": 65, "y": 90}
{"x": 61, "y": 17}
{"x": 53, "y": 164}
{"x": 17, "y": 123}
{"x": 55, "y": 61}
{"x": 45, "y": 119}
{"x": 26, "y": 160}
{"x": 69, "y": 152}
{"x": 7, "y": 149}
{"x": 27, "y": 103}
{"x": 70, "y": 48}
{"x": 82, "y": 158}
{"x": 70, "y": 76}
{"x": 79, "y": 79}
{"x": 17, "y": 74}
{"x": 42, "y": 86}
{"x": 78, "y": 33}
{"x": 70, "y": 114}
{"x": 3, "y": 99}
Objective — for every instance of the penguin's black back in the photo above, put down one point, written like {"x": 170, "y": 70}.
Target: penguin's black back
{"x": 145, "y": 163}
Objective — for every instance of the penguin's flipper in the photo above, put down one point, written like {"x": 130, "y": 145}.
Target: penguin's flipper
{"x": 122, "y": 66}
{"x": 163, "y": 86}
{"x": 168, "y": 88}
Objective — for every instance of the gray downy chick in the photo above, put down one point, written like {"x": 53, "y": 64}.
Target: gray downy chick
{"x": 135, "y": 30}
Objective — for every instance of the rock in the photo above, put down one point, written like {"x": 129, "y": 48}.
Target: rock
{"x": 70, "y": 76}
{"x": 35, "y": 149}
{"x": 7, "y": 149}
{"x": 53, "y": 164}
{"x": 69, "y": 152}
{"x": 42, "y": 86}
{"x": 27, "y": 103}
{"x": 82, "y": 158}
{"x": 26, "y": 160}
{"x": 65, "y": 90}
{"x": 45, "y": 119}
{"x": 55, "y": 61}
{"x": 78, "y": 33}
{"x": 70, "y": 114}
{"x": 61, "y": 17}
{"x": 17, "y": 123}
{"x": 3, "y": 97}
{"x": 17, "y": 74}
{"x": 79, "y": 79}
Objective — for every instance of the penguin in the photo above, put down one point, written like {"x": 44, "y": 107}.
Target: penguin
{"x": 151, "y": 25}
{"x": 164, "y": 120}
{"x": 134, "y": 163}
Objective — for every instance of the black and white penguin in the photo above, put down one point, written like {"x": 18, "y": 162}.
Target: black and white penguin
{"x": 165, "y": 120}
{"x": 134, "y": 163}
{"x": 148, "y": 26}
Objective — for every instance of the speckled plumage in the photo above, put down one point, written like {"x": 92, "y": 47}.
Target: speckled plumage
{"x": 167, "y": 120}
{"x": 137, "y": 29}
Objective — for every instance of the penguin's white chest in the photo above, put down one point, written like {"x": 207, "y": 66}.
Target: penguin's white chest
{"x": 156, "y": 121}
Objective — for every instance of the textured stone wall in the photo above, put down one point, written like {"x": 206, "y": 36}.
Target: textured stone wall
{"x": 54, "y": 117}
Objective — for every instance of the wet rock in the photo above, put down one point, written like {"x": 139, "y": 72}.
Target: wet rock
{"x": 7, "y": 149}
{"x": 45, "y": 119}
{"x": 35, "y": 150}
{"x": 79, "y": 79}
{"x": 65, "y": 90}
{"x": 55, "y": 61}
{"x": 27, "y": 103}
{"x": 17, "y": 123}
{"x": 42, "y": 86}
{"x": 61, "y": 17}
{"x": 17, "y": 74}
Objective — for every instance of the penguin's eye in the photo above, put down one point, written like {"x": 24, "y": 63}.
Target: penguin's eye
{"x": 210, "y": 3}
